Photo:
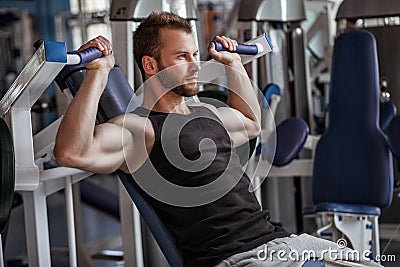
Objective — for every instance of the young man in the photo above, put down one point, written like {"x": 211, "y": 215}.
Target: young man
{"x": 181, "y": 156}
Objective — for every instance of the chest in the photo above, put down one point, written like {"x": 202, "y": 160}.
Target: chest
{"x": 193, "y": 136}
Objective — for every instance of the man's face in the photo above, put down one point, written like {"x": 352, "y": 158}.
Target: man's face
{"x": 177, "y": 66}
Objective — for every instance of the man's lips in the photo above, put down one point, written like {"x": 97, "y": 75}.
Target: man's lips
{"x": 192, "y": 79}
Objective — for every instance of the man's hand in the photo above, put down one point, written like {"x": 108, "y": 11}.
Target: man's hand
{"x": 104, "y": 63}
{"x": 225, "y": 57}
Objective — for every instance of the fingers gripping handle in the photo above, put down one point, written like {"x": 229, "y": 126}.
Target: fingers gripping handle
{"x": 84, "y": 56}
{"x": 241, "y": 48}
{"x": 90, "y": 54}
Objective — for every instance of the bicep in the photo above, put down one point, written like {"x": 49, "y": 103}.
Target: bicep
{"x": 124, "y": 143}
{"x": 106, "y": 153}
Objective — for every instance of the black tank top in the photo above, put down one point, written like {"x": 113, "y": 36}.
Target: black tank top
{"x": 195, "y": 183}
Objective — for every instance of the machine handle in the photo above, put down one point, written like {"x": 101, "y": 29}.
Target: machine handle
{"x": 241, "y": 48}
{"x": 88, "y": 54}
{"x": 78, "y": 57}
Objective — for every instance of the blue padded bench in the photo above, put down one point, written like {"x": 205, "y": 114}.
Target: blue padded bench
{"x": 353, "y": 174}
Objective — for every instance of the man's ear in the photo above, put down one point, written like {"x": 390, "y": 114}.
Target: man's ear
{"x": 150, "y": 65}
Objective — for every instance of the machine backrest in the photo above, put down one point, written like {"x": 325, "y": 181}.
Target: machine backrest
{"x": 353, "y": 164}
{"x": 115, "y": 100}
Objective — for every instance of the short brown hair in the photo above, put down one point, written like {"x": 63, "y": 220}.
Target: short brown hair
{"x": 147, "y": 38}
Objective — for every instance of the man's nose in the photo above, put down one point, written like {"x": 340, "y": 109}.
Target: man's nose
{"x": 194, "y": 66}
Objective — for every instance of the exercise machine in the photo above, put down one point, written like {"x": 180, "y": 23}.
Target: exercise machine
{"x": 31, "y": 152}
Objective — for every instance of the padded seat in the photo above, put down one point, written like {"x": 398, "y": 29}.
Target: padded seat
{"x": 291, "y": 134}
{"x": 347, "y": 208}
{"x": 353, "y": 173}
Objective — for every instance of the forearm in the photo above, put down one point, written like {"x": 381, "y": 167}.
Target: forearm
{"x": 241, "y": 92}
{"x": 76, "y": 131}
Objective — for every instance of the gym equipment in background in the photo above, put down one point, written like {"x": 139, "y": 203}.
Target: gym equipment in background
{"x": 353, "y": 173}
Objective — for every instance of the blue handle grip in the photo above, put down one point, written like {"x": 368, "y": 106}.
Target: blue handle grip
{"x": 89, "y": 54}
{"x": 240, "y": 49}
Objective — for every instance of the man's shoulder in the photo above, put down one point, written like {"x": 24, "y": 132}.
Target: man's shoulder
{"x": 127, "y": 118}
{"x": 210, "y": 107}
{"x": 216, "y": 110}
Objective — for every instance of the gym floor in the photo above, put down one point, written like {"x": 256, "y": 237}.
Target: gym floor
{"x": 97, "y": 228}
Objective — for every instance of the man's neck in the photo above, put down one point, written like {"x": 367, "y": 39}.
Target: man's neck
{"x": 170, "y": 102}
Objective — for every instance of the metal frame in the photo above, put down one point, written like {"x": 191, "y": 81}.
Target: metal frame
{"x": 362, "y": 230}
{"x": 31, "y": 151}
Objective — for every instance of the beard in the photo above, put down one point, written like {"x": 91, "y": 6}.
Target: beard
{"x": 171, "y": 82}
{"x": 186, "y": 90}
